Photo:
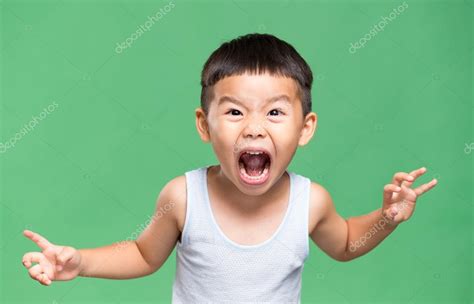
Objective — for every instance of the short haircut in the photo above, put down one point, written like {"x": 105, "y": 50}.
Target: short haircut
{"x": 256, "y": 54}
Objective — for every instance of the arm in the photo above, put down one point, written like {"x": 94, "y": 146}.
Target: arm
{"x": 122, "y": 260}
{"x": 141, "y": 257}
{"x": 345, "y": 240}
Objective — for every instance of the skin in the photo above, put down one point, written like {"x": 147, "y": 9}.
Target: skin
{"x": 247, "y": 214}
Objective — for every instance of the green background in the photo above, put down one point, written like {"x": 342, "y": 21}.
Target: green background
{"x": 89, "y": 173}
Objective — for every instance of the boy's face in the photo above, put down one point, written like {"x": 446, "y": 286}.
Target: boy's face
{"x": 255, "y": 123}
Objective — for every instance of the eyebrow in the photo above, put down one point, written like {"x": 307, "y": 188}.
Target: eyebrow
{"x": 282, "y": 97}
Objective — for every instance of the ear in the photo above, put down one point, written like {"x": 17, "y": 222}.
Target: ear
{"x": 202, "y": 125}
{"x": 309, "y": 126}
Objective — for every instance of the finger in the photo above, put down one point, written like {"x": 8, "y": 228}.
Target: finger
{"x": 42, "y": 242}
{"x": 43, "y": 279}
{"x": 38, "y": 257}
{"x": 400, "y": 177}
{"x": 426, "y": 187}
{"x": 32, "y": 257}
{"x": 63, "y": 257}
{"x": 35, "y": 271}
{"x": 415, "y": 173}
{"x": 388, "y": 191}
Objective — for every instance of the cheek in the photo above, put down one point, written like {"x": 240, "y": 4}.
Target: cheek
{"x": 285, "y": 133}
{"x": 225, "y": 136}
{"x": 224, "y": 139}
{"x": 226, "y": 131}
{"x": 285, "y": 139}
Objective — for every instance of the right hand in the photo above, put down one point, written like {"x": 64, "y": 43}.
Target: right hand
{"x": 55, "y": 263}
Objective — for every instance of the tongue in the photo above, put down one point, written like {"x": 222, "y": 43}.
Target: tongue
{"x": 254, "y": 164}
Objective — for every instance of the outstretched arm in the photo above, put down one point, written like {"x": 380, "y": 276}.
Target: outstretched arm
{"x": 122, "y": 260}
{"x": 145, "y": 255}
{"x": 345, "y": 240}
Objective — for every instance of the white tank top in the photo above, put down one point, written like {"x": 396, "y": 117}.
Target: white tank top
{"x": 211, "y": 268}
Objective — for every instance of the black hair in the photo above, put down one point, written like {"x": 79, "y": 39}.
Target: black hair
{"x": 256, "y": 54}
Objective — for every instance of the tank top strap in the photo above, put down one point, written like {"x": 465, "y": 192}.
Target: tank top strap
{"x": 294, "y": 236}
{"x": 197, "y": 226}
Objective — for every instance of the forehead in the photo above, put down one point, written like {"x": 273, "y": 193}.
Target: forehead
{"x": 256, "y": 88}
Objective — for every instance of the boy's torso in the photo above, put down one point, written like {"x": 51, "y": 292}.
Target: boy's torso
{"x": 254, "y": 227}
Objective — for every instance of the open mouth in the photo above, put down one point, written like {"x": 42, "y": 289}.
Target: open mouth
{"x": 254, "y": 166}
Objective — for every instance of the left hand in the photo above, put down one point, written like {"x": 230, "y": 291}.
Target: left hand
{"x": 399, "y": 199}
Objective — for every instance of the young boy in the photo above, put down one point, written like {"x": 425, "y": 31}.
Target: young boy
{"x": 242, "y": 227}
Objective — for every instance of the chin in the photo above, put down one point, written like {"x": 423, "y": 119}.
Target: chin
{"x": 254, "y": 191}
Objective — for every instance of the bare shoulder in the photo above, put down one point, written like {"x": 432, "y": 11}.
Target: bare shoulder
{"x": 172, "y": 199}
{"x": 320, "y": 202}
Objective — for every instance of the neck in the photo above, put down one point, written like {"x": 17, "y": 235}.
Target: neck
{"x": 226, "y": 188}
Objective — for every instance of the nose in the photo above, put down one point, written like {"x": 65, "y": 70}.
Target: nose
{"x": 254, "y": 128}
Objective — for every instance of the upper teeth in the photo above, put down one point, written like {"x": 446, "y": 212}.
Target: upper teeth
{"x": 254, "y": 152}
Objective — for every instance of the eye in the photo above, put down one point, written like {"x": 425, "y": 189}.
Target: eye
{"x": 275, "y": 112}
{"x": 234, "y": 112}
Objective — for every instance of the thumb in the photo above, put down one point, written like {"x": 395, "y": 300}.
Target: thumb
{"x": 63, "y": 257}
{"x": 388, "y": 191}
